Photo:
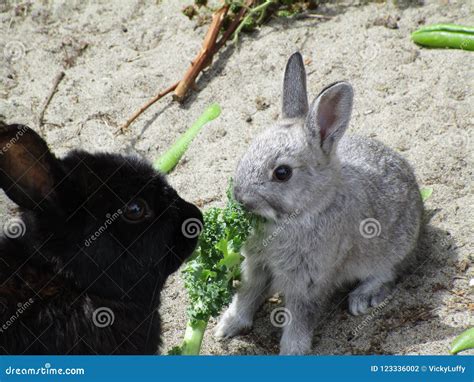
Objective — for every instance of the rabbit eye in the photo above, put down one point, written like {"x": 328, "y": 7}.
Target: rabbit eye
{"x": 282, "y": 173}
{"x": 136, "y": 211}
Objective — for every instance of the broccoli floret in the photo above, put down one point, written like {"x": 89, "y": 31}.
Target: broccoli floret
{"x": 210, "y": 273}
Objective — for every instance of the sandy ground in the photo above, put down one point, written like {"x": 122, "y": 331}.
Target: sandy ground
{"x": 418, "y": 101}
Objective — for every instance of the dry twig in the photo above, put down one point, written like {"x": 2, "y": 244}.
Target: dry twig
{"x": 147, "y": 105}
{"x": 56, "y": 82}
{"x": 204, "y": 58}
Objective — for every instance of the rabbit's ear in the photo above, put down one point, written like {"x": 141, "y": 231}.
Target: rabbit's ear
{"x": 295, "y": 98}
{"x": 28, "y": 170}
{"x": 330, "y": 114}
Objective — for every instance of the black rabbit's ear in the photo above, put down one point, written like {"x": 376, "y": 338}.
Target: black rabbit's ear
{"x": 28, "y": 170}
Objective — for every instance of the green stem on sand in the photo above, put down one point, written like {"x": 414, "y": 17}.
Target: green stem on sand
{"x": 252, "y": 11}
{"x": 463, "y": 342}
{"x": 193, "y": 337}
{"x": 171, "y": 157}
{"x": 445, "y": 36}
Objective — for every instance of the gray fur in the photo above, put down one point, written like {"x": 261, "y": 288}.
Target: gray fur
{"x": 313, "y": 241}
{"x": 295, "y": 97}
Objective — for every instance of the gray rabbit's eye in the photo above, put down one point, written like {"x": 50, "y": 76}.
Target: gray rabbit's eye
{"x": 136, "y": 211}
{"x": 282, "y": 173}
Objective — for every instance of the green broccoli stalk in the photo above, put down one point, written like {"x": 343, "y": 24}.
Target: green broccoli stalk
{"x": 463, "y": 342}
{"x": 210, "y": 273}
{"x": 166, "y": 162}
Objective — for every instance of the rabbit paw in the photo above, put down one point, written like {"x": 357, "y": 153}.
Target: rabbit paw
{"x": 292, "y": 346}
{"x": 368, "y": 294}
{"x": 232, "y": 324}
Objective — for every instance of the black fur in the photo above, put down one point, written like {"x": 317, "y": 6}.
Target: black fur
{"x": 55, "y": 279}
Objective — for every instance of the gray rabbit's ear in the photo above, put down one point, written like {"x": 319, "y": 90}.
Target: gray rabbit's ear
{"x": 295, "y": 98}
{"x": 330, "y": 114}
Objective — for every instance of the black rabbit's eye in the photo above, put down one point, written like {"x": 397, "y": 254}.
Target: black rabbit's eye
{"x": 136, "y": 211}
{"x": 282, "y": 173}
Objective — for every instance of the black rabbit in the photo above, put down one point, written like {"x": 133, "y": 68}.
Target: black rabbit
{"x": 81, "y": 271}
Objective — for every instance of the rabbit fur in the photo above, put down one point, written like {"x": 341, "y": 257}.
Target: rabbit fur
{"x": 349, "y": 214}
{"x": 98, "y": 235}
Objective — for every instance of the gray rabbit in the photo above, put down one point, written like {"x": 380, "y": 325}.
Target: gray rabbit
{"x": 339, "y": 210}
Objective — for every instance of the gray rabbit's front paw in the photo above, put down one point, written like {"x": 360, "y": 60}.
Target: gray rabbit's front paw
{"x": 368, "y": 294}
{"x": 292, "y": 345}
{"x": 232, "y": 324}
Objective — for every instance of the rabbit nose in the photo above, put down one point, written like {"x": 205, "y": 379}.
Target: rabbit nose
{"x": 237, "y": 193}
{"x": 248, "y": 204}
{"x": 193, "y": 212}
{"x": 243, "y": 199}
{"x": 246, "y": 199}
